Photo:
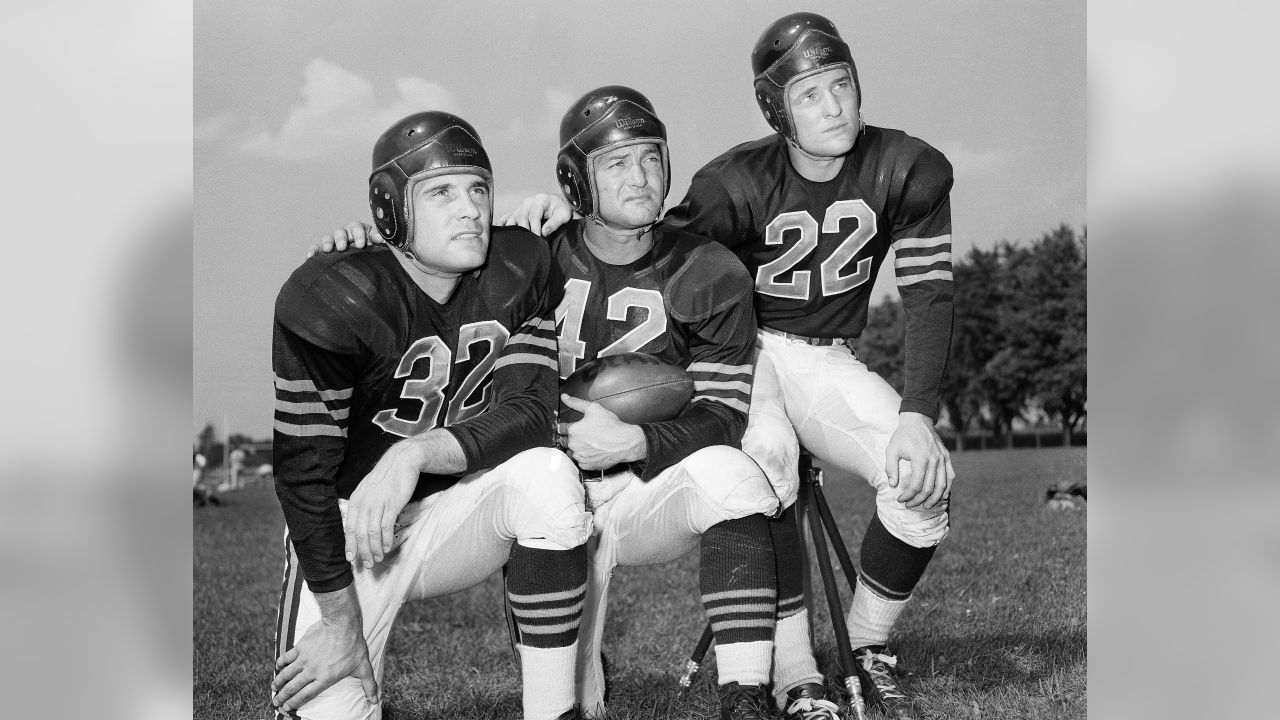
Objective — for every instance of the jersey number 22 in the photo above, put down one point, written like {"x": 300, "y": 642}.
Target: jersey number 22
{"x": 832, "y": 282}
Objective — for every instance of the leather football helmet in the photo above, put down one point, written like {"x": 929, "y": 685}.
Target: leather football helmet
{"x": 417, "y": 147}
{"x": 604, "y": 119}
{"x": 793, "y": 47}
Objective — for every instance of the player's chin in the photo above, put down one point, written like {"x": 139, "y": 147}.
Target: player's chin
{"x": 832, "y": 143}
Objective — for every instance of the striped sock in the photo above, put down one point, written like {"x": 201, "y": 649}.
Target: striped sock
{"x": 545, "y": 588}
{"x": 872, "y": 616}
{"x": 786, "y": 548}
{"x": 793, "y": 661}
{"x": 890, "y": 565}
{"x": 547, "y": 677}
{"x": 739, "y": 595}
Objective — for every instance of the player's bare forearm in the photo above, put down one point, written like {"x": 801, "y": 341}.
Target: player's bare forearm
{"x": 369, "y": 526}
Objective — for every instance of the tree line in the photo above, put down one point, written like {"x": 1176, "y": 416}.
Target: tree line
{"x": 1018, "y": 349}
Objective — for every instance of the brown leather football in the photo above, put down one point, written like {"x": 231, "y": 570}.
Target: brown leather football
{"x": 637, "y": 387}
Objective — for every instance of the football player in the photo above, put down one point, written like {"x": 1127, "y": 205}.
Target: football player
{"x": 415, "y": 387}
{"x": 632, "y": 283}
{"x": 813, "y": 211}
{"x": 658, "y": 490}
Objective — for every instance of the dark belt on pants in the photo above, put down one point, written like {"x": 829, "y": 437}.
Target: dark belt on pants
{"x": 808, "y": 340}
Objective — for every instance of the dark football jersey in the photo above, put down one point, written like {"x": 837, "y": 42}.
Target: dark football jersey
{"x": 686, "y": 301}
{"x": 363, "y": 358}
{"x": 814, "y": 248}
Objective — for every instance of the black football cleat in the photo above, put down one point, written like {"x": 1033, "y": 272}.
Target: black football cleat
{"x": 878, "y": 677}
{"x": 809, "y": 702}
{"x": 570, "y": 714}
{"x": 744, "y": 702}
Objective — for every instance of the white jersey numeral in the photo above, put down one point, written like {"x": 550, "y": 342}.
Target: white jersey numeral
{"x": 569, "y": 320}
{"x": 490, "y": 331}
{"x": 832, "y": 282}
{"x": 429, "y": 390}
{"x": 569, "y": 315}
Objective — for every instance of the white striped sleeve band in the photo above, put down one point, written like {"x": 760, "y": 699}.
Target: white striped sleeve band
{"x": 526, "y": 358}
{"x": 304, "y": 410}
{"x": 920, "y": 259}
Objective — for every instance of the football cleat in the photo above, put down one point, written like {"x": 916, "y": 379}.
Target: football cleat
{"x": 744, "y": 702}
{"x": 809, "y": 702}
{"x": 570, "y": 714}
{"x": 879, "y": 679}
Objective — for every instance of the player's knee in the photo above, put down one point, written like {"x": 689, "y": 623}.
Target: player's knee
{"x": 917, "y": 528}
{"x": 345, "y": 700}
{"x": 774, "y": 447}
{"x": 548, "y": 502}
{"x": 730, "y": 481}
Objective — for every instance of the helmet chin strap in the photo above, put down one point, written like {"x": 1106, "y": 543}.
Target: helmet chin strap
{"x": 636, "y": 233}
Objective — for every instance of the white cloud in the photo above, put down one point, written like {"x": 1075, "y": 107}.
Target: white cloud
{"x": 338, "y": 108}
{"x": 213, "y": 129}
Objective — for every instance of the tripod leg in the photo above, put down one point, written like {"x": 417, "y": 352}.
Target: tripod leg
{"x": 837, "y": 541}
{"x": 694, "y": 663}
{"x": 837, "y": 622}
{"x": 803, "y": 503}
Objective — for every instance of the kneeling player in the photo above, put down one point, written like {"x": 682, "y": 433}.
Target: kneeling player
{"x": 414, "y": 388}
{"x": 631, "y": 284}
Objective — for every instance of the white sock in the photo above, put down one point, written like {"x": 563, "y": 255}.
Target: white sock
{"x": 793, "y": 662}
{"x": 547, "y": 676}
{"x": 746, "y": 663}
{"x": 872, "y": 617}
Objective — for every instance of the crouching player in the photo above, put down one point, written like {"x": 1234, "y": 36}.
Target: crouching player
{"x": 632, "y": 284}
{"x": 415, "y": 385}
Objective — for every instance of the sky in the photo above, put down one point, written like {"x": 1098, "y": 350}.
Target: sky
{"x": 290, "y": 97}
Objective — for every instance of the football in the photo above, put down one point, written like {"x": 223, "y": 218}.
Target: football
{"x": 636, "y": 387}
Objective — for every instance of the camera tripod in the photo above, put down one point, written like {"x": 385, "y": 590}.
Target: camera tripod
{"x": 811, "y": 504}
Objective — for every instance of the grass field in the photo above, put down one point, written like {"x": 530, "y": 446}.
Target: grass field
{"x": 996, "y": 629}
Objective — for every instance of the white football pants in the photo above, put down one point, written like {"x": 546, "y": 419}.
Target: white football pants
{"x": 644, "y": 523}
{"x": 843, "y": 413}
{"x": 444, "y": 543}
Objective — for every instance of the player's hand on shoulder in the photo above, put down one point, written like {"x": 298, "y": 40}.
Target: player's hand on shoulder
{"x": 326, "y": 653}
{"x": 375, "y": 504}
{"x": 918, "y": 464}
{"x": 599, "y": 440}
{"x": 540, "y": 214}
{"x": 354, "y": 235}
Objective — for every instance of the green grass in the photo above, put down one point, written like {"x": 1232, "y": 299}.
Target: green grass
{"x": 996, "y": 629}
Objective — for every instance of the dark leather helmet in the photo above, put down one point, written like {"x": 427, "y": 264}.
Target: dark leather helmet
{"x": 604, "y": 119}
{"x": 793, "y": 47}
{"x": 417, "y": 147}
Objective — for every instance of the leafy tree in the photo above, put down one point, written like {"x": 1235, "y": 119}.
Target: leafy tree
{"x": 975, "y": 337}
{"x": 1047, "y": 326}
{"x": 207, "y": 444}
{"x": 881, "y": 345}
{"x": 238, "y": 440}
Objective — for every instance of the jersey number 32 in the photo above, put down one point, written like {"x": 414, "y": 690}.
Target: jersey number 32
{"x": 429, "y": 390}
